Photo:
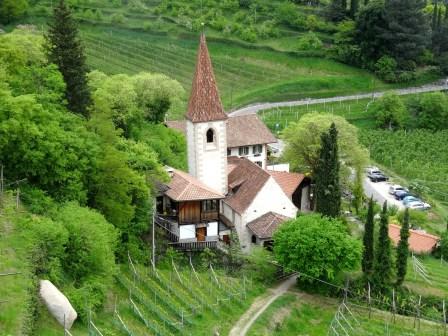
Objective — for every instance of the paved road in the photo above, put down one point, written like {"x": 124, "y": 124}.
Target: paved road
{"x": 259, "y": 306}
{"x": 379, "y": 191}
{"x": 251, "y": 109}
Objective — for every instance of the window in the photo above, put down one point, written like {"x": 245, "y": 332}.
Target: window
{"x": 257, "y": 149}
{"x": 209, "y": 205}
{"x": 254, "y": 239}
{"x": 259, "y": 163}
{"x": 229, "y": 152}
{"x": 210, "y": 136}
{"x": 243, "y": 151}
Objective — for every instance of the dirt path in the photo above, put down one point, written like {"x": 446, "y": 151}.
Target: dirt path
{"x": 259, "y": 306}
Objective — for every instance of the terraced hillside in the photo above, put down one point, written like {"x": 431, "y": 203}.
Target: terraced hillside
{"x": 166, "y": 302}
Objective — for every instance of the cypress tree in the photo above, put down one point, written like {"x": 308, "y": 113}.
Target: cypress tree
{"x": 328, "y": 193}
{"x": 368, "y": 241}
{"x": 64, "y": 49}
{"x": 382, "y": 270}
{"x": 403, "y": 249}
{"x": 337, "y": 10}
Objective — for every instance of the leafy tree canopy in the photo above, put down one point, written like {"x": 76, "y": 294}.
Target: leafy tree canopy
{"x": 11, "y": 10}
{"x": 317, "y": 246}
{"x": 303, "y": 142}
{"x": 390, "y": 111}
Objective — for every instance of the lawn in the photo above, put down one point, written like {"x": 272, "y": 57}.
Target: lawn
{"x": 437, "y": 271}
{"x": 298, "y": 313}
{"x": 15, "y": 300}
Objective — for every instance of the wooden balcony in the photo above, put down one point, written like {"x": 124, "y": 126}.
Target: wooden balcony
{"x": 209, "y": 215}
{"x": 200, "y": 245}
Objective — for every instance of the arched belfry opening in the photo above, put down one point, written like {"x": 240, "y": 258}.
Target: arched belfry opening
{"x": 211, "y": 137}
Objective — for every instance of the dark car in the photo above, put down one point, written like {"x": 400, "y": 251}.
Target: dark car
{"x": 400, "y": 194}
{"x": 376, "y": 176}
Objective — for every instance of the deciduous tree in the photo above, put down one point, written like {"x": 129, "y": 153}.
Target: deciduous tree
{"x": 318, "y": 246}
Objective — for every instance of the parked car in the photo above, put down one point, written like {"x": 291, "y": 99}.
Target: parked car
{"x": 396, "y": 187}
{"x": 409, "y": 199}
{"x": 416, "y": 205}
{"x": 401, "y": 194}
{"x": 376, "y": 175}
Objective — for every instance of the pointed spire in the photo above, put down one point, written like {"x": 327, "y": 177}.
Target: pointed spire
{"x": 205, "y": 104}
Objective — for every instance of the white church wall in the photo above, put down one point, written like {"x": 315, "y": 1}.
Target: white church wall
{"x": 208, "y": 162}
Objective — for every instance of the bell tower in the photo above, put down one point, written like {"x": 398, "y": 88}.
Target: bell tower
{"x": 206, "y": 126}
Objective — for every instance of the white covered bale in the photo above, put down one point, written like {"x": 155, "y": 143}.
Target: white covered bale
{"x": 57, "y": 304}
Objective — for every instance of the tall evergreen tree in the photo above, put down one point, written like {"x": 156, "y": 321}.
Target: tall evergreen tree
{"x": 382, "y": 269}
{"x": 64, "y": 49}
{"x": 407, "y": 31}
{"x": 435, "y": 15}
{"x": 403, "y": 249}
{"x": 354, "y": 6}
{"x": 337, "y": 10}
{"x": 368, "y": 241}
{"x": 328, "y": 192}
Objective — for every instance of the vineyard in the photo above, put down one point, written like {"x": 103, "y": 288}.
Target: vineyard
{"x": 420, "y": 156}
{"x": 170, "y": 301}
{"x": 315, "y": 316}
{"x": 355, "y": 111}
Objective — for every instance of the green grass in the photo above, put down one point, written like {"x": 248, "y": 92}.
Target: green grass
{"x": 311, "y": 315}
{"x": 355, "y": 111}
{"x": 437, "y": 274}
{"x": 14, "y": 289}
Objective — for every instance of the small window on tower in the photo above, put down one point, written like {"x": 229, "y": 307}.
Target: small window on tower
{"x": 210, "y": 136}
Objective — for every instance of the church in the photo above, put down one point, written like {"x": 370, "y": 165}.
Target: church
{"x": 227, "y": 187}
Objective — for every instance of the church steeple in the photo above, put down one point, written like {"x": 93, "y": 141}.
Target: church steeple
{"x": 205, "y": 104}
{"x": 206, "y": 126}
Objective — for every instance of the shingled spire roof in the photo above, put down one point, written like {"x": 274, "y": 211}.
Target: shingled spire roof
{"x": 205, "y": 104}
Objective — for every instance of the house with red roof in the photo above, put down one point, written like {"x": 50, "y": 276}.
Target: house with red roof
{"x": 420, "y": 242}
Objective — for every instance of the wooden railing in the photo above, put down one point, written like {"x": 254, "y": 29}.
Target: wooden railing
{"x": 195, "y": 246}
{"x": 168, "y": 228}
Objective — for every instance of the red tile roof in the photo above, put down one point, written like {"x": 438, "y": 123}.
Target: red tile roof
{"x": 419, "y": 242}
{"x": 205, "y": 104}
{"x": 245, "y": 180}
{"x": 184, "y": 187}
{"x": 247, "y": 130}
{"x": 289, "y": 182}
{"x": 264, "y": 226}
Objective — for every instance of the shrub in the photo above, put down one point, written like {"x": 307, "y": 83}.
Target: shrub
{"x": 309, "y": 42}
{"x": 385, "y": 68}
{"x": 117, "y": 18}
{"x": 260, "y": 264}
{"x": 249, "y": 34}
{"x": 91, "y": 244}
